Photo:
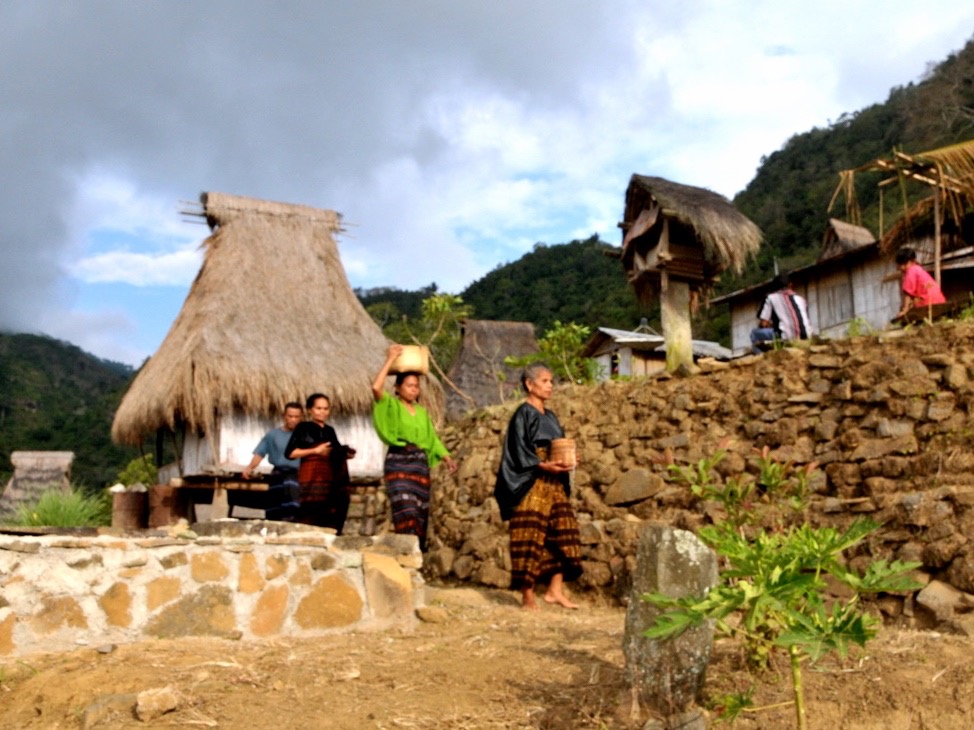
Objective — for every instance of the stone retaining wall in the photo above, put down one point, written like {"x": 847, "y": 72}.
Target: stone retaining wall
{"x": 889, "y": 419}
{"x": 235, "y": 580}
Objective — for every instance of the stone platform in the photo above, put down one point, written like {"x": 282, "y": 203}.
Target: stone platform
{"x": 239, "y": 580}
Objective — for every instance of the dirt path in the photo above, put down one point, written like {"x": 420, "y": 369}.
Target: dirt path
{"x": 485, "y": 664}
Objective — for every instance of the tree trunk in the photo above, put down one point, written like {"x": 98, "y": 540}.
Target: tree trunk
{"x": 675, "y": 314}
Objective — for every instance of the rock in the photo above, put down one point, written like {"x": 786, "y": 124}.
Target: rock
{"x": 633, "y": 486}
{"x": 666, "y": 676}
{"x": 432, "y": 614}
{"x": 940, "y": 599}
{"x": 154, "y": 703}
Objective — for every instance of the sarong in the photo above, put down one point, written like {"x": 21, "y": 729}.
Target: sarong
{"x": 544, "y": 535}
{"x": 323, "y": 491}
{"x": 407, "y": 477}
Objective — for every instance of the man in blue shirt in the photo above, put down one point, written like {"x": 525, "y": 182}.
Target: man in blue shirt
{"x": 273, "y": 444}
{"x": 280, "y": 501}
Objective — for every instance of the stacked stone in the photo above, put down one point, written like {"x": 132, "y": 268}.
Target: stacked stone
{"x": 889, "y": 419}
{"x": 369, "y": 512}
{"x": 232, "y": 580}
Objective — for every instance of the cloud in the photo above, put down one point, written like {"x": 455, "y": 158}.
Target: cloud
{"x": 452, "y": 136}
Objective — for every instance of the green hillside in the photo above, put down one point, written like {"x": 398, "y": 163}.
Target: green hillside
{"x": 574, "y": 282}
{"x": 56, "y": 397}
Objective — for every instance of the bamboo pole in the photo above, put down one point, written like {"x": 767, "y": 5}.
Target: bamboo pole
{"x": 936, "y": 235}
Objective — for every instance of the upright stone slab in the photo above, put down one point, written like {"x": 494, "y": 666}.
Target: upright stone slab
{"x": 665, "y": 677}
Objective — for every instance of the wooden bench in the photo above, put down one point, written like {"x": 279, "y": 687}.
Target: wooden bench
{"x": 933, "y": 312}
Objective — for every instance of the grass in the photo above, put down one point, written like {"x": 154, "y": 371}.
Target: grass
{"x": 56, "y": 508}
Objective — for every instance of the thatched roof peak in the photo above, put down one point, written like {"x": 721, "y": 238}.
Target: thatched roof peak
{"x": 727, "y": 236}
{"x": 270, "y": 318}
{"x": 221, "y": 208}
{"x": 841, "y": 237}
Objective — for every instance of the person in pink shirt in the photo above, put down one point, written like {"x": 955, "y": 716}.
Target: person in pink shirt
{"x": 919, "y": 288}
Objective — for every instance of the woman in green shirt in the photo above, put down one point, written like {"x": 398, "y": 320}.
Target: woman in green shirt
{"x": 414, "y": 448}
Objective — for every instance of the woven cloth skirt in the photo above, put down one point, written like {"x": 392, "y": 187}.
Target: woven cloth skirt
{"x": 323, "y": 492}
{"x": 407, "y": 477}
{"x": 544, "y": 535}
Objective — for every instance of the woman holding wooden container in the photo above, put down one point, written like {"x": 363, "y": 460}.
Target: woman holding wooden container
{"x": 532, "y": 491}
{"x": 414, "y": 448}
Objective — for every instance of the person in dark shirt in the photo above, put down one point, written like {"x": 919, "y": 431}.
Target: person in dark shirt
{"x": 532, "y": 492}
{"x": 323, "y": 472}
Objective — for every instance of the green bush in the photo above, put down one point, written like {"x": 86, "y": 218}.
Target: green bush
{"x": 56, "y": 508}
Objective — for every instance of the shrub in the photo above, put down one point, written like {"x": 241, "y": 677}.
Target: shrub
{"x": 56, "y": 508}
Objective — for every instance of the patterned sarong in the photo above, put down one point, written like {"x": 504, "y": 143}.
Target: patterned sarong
{"x": 407, "y": 477}
{"x": 323, "y": 491}
{"x": 544, "y": 535}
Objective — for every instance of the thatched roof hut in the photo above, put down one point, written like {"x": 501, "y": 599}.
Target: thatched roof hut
{"x": 677, "y": 240}
{"x": 840, "y": 238}
{"x": 270, "y": 318}
{"x": 479, "y": 370}
{"x": 35, "y": 472}
{"x": 683, "y": 232}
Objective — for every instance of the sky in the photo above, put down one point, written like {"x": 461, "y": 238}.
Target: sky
{"x": 452, "y": 136}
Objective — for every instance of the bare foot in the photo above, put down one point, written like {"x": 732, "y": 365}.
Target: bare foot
{"x": 530, "y": 606}
{"x": 527, "y": 600}
{"x": 559, "y": 599}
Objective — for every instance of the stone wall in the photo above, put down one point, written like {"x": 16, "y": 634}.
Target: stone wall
{"x": 235, "y": 580}
{"x": 889, "y": 419}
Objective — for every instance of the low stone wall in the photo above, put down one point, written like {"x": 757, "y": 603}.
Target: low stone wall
{"x": 235, "y": 580}
{"x": 888, "y": 418}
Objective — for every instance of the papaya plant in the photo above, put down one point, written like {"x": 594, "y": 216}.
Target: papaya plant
{"x": 771, "y": 594}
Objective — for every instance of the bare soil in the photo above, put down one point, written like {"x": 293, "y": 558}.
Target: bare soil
{"x": 485, "y": 664}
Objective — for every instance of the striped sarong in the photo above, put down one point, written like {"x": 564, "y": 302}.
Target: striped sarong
{"x": 323, "y": 492}
{"x": 407, "y": 477}
{"x": 544, "y": 535}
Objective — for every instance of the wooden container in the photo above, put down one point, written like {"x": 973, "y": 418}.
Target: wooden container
{"x": 166, "y": 505}
{"x": 563, "y": 451}
{"x": 412, "y": 359}
{"x": 130, "y": 510}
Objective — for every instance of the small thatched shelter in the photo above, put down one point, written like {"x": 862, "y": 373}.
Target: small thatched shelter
{"x": 269, "y": 319}
{"x": 840, "y": 238}
{"x": 479, "y": 370}
{"x": 35, "y": 472}
{"x": 678, "y": 239}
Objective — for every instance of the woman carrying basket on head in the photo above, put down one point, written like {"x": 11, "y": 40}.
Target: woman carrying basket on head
{"x": 414, "y": 448}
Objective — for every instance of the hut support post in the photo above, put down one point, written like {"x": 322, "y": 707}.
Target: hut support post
{"x": 675, "y": 315}
{"x": 936, "y": 236}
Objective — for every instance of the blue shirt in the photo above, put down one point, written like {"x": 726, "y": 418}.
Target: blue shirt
{"x": 272, "y": 446}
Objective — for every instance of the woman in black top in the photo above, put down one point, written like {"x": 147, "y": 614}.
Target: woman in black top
{"x": 532, "y": 492}
{"x": 323, "y": 473}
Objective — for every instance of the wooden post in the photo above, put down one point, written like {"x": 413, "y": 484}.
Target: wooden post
{"x": 936, "y": 235}
{"x": 675, "y": 315}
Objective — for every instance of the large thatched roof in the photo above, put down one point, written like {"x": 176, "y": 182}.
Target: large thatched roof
{"x": 479, "y": 370}
{"x": 270, "y": 318}
{"x": 728, "y": 238}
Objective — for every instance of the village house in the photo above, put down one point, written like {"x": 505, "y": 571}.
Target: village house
{"x": 270, "y": 318}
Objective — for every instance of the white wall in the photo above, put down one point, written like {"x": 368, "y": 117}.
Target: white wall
{"x": 239, "y": 435}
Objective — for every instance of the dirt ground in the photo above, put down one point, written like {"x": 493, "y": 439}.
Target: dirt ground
{"x": 486, "y": 664}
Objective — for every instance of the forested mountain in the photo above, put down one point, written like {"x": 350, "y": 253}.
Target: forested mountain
{"x": 573, "y": 282}
{"x": 789, "y": 196}
{"x": 56, "y": 397}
